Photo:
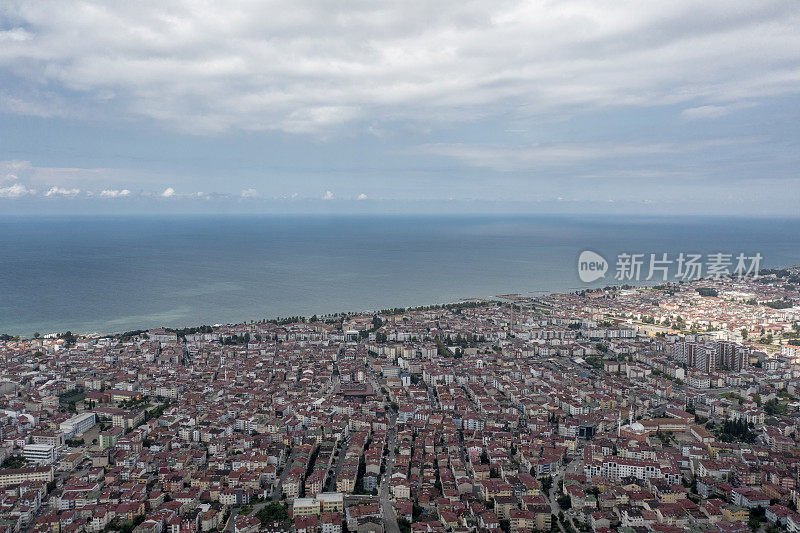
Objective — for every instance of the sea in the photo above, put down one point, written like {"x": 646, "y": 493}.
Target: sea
{"x": 106, "y": 274}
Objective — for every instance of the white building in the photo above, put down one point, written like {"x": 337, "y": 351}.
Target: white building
{"x": 78, "y": 424}
{"x": 43, "y": 454}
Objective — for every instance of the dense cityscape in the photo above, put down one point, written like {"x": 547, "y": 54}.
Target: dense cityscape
{"x": 661, "y": 408}
{"x": 516, "y": 266}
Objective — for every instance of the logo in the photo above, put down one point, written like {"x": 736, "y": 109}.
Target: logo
{"x": 591, "y": 266}
{"x": 635, "y": 267}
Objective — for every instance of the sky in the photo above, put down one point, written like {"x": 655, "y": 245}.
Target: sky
{"x": 680, "y": 107}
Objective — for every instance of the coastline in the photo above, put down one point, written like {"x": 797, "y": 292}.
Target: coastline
{"x": 92, "y": 274}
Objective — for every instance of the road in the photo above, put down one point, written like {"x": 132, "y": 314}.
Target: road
{"x": 276, "y": 491}
{"x": 389, "y": 515}
{"x": 384, "y": 493}
{"x": 573, "y": 467}
{"x": 230, "y": 524}
{"x": 554, "y": 508}
{"x": 337, "y": 469}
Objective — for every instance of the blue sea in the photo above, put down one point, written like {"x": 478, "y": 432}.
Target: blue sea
{"x": 111, "y": 274}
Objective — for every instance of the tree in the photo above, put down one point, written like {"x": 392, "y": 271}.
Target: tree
{"x": 773, "y": 407}
{"x": 404, "y": 525}
{"x": 14, "y": 461}
{"x": 547, "y": 484}
{"x": 779, "y": 304}
{"x": 272, "y": 512}
{"x": 69, "y": 339}
{"x": 565, "y": 502}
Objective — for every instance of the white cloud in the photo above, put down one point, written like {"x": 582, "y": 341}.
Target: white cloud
{"x": 713, "y": 111}
{"x": 168, "y": 192}
{"x": 16, "y": 190}
{"x": 507, "y": 158}
{"x": 249, "y": 193}
{"x": 43, "y": 104}
{"x": 273, "y": 65}
{"x": 59, "y": 191}
{"x": 328, "y": 195}
{"x": 15, "y": 35}
{"x": 114, "y": 193}
{"x": 10, "y": 170}
{"x": 362, "y": 196}
{"x": 83, "y": 178}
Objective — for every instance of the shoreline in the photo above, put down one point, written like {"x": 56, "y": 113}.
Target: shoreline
{"x": 506, "y": 298}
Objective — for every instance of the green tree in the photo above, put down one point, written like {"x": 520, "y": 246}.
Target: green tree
{"x": 547, "y": 484}
{"x": 404, "y": 525}
{"x": 272, "y": 512}
{"x": 14, "y": 461}
{"x": 565, "y": 502}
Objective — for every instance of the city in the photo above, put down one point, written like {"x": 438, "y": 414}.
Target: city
{"x": 515, "y": 266}
{"x": 672, "y": 407}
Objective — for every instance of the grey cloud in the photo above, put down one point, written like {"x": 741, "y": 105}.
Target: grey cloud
{"x": 305, "y": 68}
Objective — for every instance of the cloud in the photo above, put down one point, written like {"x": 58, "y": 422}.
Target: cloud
{"x": 169, "y": 192}
{"x": 328, "y": 195}
{"x": 11, "y": 170}
{"x": 511, "y": 158}
{"x": 16, "y": 190}
{"x": 43, "y": 104}
{"x": 249, "y": 193}
{"x": 713, "y": 111}
{"x": 15, "y": 35}
{"x": 362, "y": 196}
{"x": 58, "y": 191}
{"x": 274, "y": 66}
{"x": 84, "y": 178}
{"x": 114, "y": 193}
